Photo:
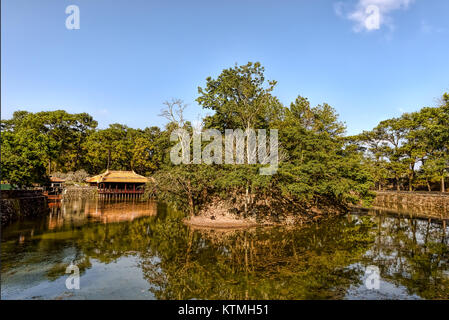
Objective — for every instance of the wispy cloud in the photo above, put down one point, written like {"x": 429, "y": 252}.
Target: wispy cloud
{"x": 370, "y": 15}
{"x": 427, "y": 28}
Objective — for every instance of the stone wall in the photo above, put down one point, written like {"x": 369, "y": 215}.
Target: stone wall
{"x": 17, "y": 204}
{"x": 428, "y": 204}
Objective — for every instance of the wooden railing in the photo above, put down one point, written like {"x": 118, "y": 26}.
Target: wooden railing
{"x": 116, "y": 191}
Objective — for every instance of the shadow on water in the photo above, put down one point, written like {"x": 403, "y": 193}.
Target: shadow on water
{"x": 127, "y": 250}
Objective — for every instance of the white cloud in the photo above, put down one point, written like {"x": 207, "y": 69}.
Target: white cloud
{"x": 371, "y": 15}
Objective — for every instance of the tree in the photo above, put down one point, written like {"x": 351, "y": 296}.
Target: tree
{"x": 239, "y": 98}
{"x": 22, "y": 158}
{"x": 110, "y": 148}
{"x": 142, "y": 156}
{"x": 316, "y": 170}
{"x": 321, "y": 168}
{"x": 414, "y": 146}
{"x": 65, "y": 134}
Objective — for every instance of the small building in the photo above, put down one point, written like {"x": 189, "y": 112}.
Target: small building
{"x": 56, "y": 182}
{"x": 118, "y": 182}
{"x": 53, "y": 189}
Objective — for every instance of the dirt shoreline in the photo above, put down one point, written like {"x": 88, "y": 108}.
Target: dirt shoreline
{"x": 217, "y": 215}
{"x": 220, "y": 222}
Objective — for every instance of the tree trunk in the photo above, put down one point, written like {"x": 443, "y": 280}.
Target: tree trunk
{"x": 411, "y": 176}
{"x": 192, "y": 208}
{"x": 246, "y": 199}
{"x": 190, "y": 197}
{"x": 429, "y": 187}
{"x": 109, "y": 158}
{"x": 443, "y": 188}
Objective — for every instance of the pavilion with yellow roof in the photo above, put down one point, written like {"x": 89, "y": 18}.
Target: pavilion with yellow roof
{"x": 118, "y": 182}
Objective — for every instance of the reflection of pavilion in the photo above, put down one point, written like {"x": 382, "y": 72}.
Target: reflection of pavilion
{"x": 108, "y": 212}
{"x": 78, "y": 212}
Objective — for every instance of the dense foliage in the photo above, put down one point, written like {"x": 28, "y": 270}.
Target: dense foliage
{"x": 410, "y": 151}
{"x": 317, "y": 169}
{"x": 319, "y": 166}
{"x": 35, "y": 145}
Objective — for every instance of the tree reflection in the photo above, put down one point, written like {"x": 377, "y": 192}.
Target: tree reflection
{"x": 415, "y": 254}
{"x": 318, "y": 261}
{"x": 266, "y": 263}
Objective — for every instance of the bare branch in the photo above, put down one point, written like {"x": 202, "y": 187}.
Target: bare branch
{"x": 174, "y": 111}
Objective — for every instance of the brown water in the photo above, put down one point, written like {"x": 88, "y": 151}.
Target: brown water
{"x": 127, "y": 250}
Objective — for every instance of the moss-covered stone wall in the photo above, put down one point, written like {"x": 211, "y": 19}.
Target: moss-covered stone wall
{"x": 17, "y": 204}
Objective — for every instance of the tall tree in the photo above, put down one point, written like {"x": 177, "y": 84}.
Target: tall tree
{"x": 240, "y": 98}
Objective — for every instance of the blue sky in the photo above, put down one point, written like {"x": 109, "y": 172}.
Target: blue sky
{"x": 130, "y": 56}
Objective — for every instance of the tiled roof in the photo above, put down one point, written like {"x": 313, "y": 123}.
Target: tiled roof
{"x": 118, "y": 176}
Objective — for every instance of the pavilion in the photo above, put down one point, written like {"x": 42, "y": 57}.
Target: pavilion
{"x": 118, "y": 182}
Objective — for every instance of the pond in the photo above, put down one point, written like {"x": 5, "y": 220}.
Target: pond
{"x": 142, "y": 250}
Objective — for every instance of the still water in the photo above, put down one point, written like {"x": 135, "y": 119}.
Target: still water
{"x": 127, "y": 250}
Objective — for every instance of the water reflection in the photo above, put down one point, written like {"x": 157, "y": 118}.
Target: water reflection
{"x": 413, "y": 253}
{"x": 126, "y": 250}
{"x": 106, "y": 211}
